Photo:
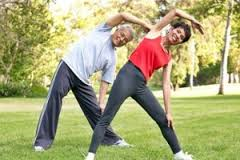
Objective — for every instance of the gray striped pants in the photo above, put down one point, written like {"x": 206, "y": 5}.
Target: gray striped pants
{"x": 64, "y": 80}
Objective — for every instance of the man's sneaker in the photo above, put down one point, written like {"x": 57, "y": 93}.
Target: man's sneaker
{"x": 90, "y": 156}
{"x": 183, "y": 156}
{"x": 122, "y": 143}
{"x": 39, "y": 148}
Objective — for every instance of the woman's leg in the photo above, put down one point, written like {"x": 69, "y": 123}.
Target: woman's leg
{"x": 122, "y": 88}
{"x": 150, "y": 104}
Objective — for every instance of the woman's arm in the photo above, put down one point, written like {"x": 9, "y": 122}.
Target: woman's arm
{"x": 167, "y": 92}
{"x": 170, "y": 16}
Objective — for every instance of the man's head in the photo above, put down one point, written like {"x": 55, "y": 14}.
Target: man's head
{"x": 179, "y": 33}
{"x": 122, "y": 35}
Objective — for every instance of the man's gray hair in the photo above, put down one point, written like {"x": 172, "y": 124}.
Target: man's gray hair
{"x": 128, "y": 27}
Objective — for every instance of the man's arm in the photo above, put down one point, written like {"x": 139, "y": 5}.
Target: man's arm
{"x": 102, "y": 92}
{"x": 170, "y": 16}
{"x": 126, "y": 17}
{"x": 167, "y": 92}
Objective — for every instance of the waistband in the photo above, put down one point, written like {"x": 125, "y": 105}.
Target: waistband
{"x": 129, "y": 62}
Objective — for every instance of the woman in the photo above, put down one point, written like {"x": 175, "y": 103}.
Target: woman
{"x": 150, "y": 55}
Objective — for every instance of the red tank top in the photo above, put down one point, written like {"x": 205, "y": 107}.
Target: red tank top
{"x": 149, "y": 56}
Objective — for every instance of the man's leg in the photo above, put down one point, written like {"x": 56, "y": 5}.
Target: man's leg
{"x": 88, "y": 102}
{"x": 150, "y": 104}
{"x": 47, "y": 124}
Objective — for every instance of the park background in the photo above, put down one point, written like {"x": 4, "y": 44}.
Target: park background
{"x": 34, "y": 36}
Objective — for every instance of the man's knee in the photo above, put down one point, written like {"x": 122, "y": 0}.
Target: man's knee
{"x": 105, "y": 121}
{"x": 57, "y": 91}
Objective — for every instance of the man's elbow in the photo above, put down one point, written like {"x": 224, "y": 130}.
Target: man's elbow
{"x": 124, "y": 15}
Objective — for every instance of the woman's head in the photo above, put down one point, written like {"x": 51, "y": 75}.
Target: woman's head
{"x": 179, "y": 33}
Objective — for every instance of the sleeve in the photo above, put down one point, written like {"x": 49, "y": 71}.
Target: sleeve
{"x": 108, "y": 73}
{"x": 103, "y": 28}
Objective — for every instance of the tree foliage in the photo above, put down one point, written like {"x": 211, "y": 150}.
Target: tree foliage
{"x": 26, "y": 35}
{"x": 35, "y": 34}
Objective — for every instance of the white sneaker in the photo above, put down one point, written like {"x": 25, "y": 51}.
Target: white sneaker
{"x": 39, "y": 148}
{"x": 183, "y": 156}
{"x": 89, "y": 159}
{"x": 122, "y": 143}
{"x": 90, "y": 156}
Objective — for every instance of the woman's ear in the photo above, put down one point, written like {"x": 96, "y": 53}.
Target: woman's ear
{"x": 170, "y": 30}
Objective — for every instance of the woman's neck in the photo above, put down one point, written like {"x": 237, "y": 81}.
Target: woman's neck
{"x": 165, "y": 42}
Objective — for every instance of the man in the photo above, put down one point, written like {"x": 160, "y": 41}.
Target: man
{"x": 95, "y": 52}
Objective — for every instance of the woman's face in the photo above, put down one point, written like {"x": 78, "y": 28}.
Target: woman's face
{"x": 175, "y": 36}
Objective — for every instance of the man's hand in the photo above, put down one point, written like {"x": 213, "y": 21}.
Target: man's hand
{"x": 102, "y": 92}
{"x": 102, "y": 107}
{"x": 124, "y": 17}
{"x": 169, "y": 119}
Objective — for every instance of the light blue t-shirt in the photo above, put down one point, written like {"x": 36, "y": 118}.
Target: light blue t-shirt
{"x": 92, "y": 53}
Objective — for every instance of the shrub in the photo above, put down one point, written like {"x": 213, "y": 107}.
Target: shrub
{"x": 22, "y": 89}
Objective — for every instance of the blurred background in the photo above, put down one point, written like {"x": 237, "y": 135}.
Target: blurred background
{"x": 35, "y": 34}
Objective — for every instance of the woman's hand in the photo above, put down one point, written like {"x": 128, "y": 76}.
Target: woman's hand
{"x": 197, "y": 25}
{"x": 148, "y": 27}
{"x": 170, "y": 120}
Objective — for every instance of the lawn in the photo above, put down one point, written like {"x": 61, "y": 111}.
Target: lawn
{"x": 207, "y": 127}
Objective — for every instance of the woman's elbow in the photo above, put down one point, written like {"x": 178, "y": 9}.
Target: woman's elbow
{"x": 174, "y": 11}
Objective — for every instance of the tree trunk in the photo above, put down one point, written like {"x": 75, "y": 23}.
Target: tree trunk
{"x": 175, "y": 87}
{"x": 227, "y": 38}
{"x": 192, "y": 51}
{"x": 236, "y": 78}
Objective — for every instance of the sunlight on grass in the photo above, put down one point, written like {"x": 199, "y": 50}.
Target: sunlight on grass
{"x": 207, "y": 127}
{"x": 203, "y": 91}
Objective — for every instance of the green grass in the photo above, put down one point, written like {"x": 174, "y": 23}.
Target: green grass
{"x": 207, "y": 127}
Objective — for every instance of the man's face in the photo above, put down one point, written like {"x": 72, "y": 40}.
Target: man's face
{"x": 176, "y": 35}
{"x": 121, "y": 37}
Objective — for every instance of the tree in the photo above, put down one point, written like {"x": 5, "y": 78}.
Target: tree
{"x": 192, "y": 51}
{"x": 212, "y": 8}
{"x": 10, "y": 42}
{"x": 223, "y": 72}
{"x": 26, "y": 34}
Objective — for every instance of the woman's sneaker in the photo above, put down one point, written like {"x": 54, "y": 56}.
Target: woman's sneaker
{"x": 183, "y": 156}
{"x": 39, "y": 148}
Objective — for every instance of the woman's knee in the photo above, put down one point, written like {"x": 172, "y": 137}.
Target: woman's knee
{"x": 161, "y": 121}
